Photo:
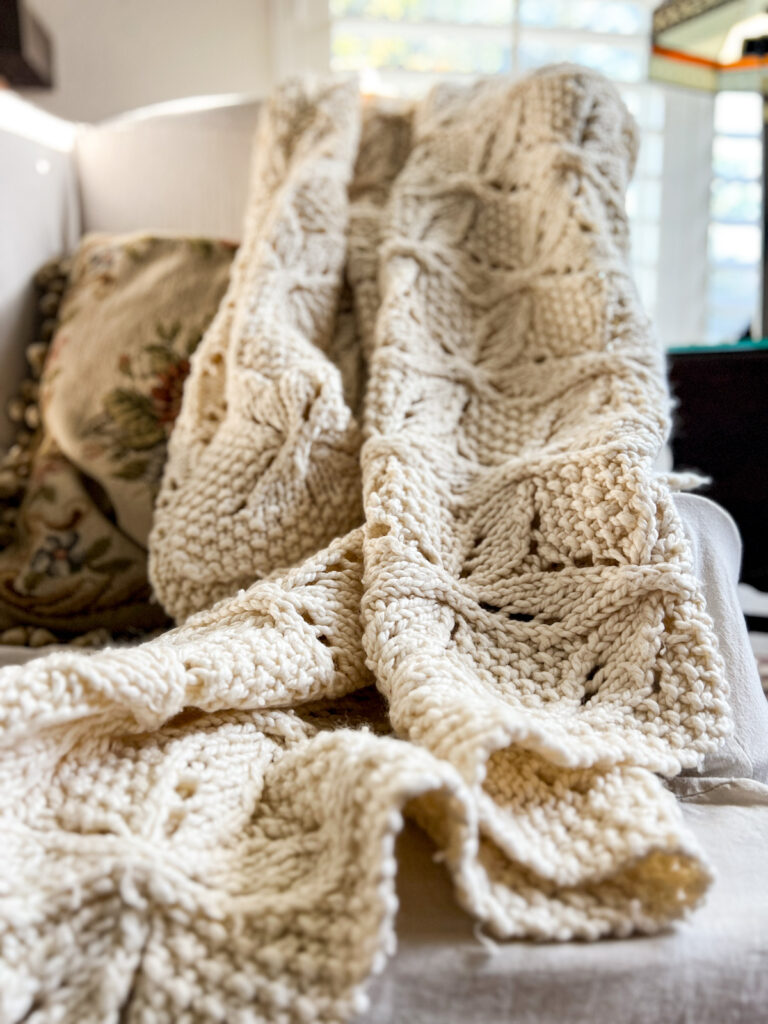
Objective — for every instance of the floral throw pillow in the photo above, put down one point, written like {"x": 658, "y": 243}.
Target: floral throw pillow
{"x": 133, "y": 313}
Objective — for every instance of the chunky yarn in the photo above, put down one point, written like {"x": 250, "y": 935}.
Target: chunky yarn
{"x": 511, "y": 648}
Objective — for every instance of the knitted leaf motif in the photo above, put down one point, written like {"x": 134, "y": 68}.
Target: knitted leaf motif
{"x": 200, "y": 827}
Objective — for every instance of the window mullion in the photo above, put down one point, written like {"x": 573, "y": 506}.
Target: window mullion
{"x": 515, "y": 38}
{"x": 686, "y": 178}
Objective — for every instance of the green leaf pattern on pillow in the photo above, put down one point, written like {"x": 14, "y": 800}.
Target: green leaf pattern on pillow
{"x": 138, "y": 415}
{"x": 134, "y": 310}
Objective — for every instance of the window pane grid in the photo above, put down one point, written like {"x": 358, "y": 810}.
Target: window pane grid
{"x": 738, "y": 113}
{"x": 599, "y": 16}
{"x": 735, "y": 202}
{"x": 401, "y": 12}
{"x": 404, "y": 46}
{"x": 734, "y": 237}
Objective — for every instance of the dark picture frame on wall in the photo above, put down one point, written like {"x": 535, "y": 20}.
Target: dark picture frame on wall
{"x": 26, "y": 48}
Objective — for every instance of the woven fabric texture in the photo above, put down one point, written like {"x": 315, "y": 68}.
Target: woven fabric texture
{"x": 108, "y": 389}
{"x": 501, "y": 639}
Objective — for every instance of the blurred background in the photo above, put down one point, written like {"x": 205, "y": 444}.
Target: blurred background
{"x": 125, "y": 114}
{"x": 695, "y": 201}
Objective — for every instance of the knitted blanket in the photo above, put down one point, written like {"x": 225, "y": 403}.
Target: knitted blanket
{"x": 424, "y": 567}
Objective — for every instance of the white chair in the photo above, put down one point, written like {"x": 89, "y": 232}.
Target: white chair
{"x": 183, "y": 167}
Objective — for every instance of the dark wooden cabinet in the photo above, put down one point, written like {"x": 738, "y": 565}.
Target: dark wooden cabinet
{"x": 720, "y": 428}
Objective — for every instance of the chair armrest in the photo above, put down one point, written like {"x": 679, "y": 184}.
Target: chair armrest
{"x": 40, "y": 217}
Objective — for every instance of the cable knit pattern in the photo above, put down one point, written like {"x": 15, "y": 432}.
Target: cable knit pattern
{"x": 263, "y": 460}
{"x": 511, "y": 649}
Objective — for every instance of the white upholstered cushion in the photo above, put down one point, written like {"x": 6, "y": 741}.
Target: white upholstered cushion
{"x": 175, "y": 167}
{"x": 712, "y": 969}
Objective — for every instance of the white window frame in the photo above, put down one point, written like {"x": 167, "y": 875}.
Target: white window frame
{"x": 301, "y": 41}
{"x": 683, "y": 259}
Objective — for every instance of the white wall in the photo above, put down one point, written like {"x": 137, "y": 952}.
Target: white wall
{"x": 115, "y": 55}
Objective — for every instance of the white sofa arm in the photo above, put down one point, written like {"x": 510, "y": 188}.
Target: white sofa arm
{"x": 39, "y": 220}
{"x": 178, "y": 166}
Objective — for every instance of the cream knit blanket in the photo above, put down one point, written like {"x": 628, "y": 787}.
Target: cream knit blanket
{"x": 202, "y": 828}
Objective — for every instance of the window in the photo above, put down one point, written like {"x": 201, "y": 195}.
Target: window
{"x": 701, "y": 290}
{"x": 734, "y": 226}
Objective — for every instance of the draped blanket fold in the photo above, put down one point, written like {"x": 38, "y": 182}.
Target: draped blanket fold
{"x": 423, "y": 566}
